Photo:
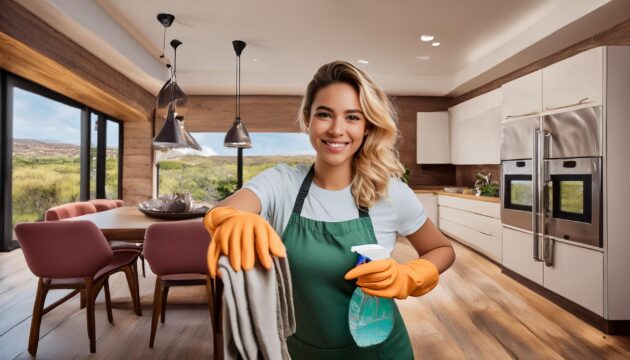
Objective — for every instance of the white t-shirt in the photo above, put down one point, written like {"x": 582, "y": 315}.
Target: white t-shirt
{"x": 277, "y": 188}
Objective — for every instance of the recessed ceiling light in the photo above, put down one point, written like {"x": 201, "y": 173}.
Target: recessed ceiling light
{"x": 435, "y": 44}
{"x": 361, "y": 61}
{"x": 426, "y": 38}
{"x": 423, "y": 58}
{"x": 255, "y": 60}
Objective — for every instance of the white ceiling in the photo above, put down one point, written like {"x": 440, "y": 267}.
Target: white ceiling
{"x": 288, "y": 39}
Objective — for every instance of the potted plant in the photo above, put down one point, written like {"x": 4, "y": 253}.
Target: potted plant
{"x": 484, "y": 186}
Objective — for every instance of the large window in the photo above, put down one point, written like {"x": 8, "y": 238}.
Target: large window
{"x": 53, "y": 151}
{"x": 210, "y": 175}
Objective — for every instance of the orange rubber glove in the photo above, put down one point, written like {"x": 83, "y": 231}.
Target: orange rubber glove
{"x": 389, "y": 279}
{"x": 240, "y": 235}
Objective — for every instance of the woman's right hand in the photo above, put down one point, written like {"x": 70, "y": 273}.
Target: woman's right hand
{"x": 239, "y": 235}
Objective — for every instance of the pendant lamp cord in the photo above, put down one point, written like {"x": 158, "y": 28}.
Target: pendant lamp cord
{"x": 238, "y": 86}
{"x": 163, "y": 43}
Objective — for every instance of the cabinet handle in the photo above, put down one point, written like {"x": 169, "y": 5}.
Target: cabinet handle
{"x": 485, "y": 233}
{"x": 521, "y": 115}
{"x": 581, "y": 102}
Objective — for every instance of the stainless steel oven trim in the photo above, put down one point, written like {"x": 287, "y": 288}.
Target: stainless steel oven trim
{"x": 576, "y": 231}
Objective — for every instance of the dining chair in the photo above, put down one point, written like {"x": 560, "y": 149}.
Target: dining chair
{"x": 176, "y": 253}
{"x": 69, "y": 210}
{"x": 119, "y": 202}
{"x": 72, "y": 255}
{"x": 90, "y": 207}
{"x": 103, "y": 204}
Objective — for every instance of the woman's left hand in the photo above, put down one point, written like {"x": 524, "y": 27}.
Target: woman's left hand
{"x": 389, "y": 279}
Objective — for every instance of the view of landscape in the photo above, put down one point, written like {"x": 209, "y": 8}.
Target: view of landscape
{"x": 209, "y": 179}
{"x": 48, "y": 174}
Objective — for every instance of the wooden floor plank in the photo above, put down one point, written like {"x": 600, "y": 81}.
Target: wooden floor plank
{"x": 476, "y": 312}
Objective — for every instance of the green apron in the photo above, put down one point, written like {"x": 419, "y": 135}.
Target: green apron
{"x": 320, "y": 255}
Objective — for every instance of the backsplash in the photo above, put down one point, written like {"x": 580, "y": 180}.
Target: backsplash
{"x": 465, "y": 174}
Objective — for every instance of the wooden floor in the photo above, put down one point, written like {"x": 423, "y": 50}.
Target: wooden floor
{"x": 475, "y": 313}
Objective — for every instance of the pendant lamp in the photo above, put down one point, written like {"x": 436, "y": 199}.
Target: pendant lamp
{"x": 237, "y": 136}
{"x": 171, "y": 103}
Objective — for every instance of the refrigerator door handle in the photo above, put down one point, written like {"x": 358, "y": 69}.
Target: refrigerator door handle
{"x": 535, "y": 195}
{"x": 547, "y": 255}
{"x": 548, "y": 248}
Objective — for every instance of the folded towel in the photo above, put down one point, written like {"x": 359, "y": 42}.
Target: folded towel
{"x": 258, "y": 312}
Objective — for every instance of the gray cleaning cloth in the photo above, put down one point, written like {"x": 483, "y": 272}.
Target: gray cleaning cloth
{"x": 258, "y": 312}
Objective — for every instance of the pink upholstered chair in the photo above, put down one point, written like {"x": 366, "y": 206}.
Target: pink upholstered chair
{"x": 69, "y": 210}
{"x": 90, "y": 207}
{"x": 176, "y": 253}
{"x": 119, "y": 202}
{"x": 72, "y": 255}
{"x": 103, "y": 204}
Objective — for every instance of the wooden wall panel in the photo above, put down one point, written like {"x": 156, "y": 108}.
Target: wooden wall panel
{"x": 616, "y": 35}
{"x": 55, "y": 61}
{"x": 138, "y": 166}
{"x": 260, "y": 113}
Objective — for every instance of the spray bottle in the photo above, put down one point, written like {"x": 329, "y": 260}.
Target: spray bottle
{"x": 370, "y": 318}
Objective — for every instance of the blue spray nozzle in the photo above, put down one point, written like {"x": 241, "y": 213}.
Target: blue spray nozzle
{"x": 362, "y": 260}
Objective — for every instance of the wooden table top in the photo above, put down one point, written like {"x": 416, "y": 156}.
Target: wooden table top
{"x": 125, "y": 223}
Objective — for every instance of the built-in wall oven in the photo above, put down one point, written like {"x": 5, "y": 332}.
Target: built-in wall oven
{"x": 552, "y": 176}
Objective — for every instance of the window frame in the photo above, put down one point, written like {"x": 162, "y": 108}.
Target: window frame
{"x": 9, "y": 81}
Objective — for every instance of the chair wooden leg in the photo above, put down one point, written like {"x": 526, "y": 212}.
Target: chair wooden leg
{"x": 217, "y": 344}
{"x": 91, "y": 298}
{"x": 132, "y": 289}
{"x": 82, "y": 297}
{"x": 108, "y": 302}
{"x": 157, "y": 301}
{"x": 142, "y": 259}
{"x": 134, "y": 267}
{"x": 36, "y": 320}
{"x": 217, "y": 330}
{"x": 163, "y": 305}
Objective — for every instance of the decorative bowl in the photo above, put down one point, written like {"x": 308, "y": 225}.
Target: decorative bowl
{"x": 172, "y": 207}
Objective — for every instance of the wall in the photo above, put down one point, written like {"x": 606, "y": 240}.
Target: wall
{"x": 279, "y": 114}
{"x": 32, "y": 49}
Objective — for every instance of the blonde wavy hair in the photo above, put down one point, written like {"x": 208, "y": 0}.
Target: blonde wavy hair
{"x": 376, "y": 161}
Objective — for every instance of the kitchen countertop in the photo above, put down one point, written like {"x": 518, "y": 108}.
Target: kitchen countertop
{"x": 465, "y": 196}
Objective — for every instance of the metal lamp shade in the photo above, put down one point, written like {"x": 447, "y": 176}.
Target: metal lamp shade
{"x": 190, "y": 140}
{"x": 172, "y": 134}
{"x": 237, "y": 136}
{"x": 171, "y": 95}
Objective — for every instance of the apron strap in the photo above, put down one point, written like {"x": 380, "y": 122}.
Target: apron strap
{"x": 306, "y": 185}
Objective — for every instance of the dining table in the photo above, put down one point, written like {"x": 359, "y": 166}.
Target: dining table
{"x": 125, "y": 223}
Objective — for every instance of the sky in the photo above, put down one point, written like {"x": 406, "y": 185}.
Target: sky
{"x": 39, "y": 118}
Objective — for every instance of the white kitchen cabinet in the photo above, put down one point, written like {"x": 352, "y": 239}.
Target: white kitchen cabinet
{"x": 476, "y": 130}
{"x": 432, "y": 138}
{"x": 578, "y": 79}
{"x": 577, "y": 273}
{"x": 429, "y": 203}
{"x": 518, "y": 254}
{"x": 475, "y": 223}
{"x": 522, "y": 96}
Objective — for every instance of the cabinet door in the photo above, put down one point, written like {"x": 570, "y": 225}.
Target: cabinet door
{"x": 578, "y": 79}
{"x": 517, "y": 255}
{"x": 487, "y": 135}
{"x": 578, "y": 275}
{"x": 463, "y": 143}
{"x": 429, "y": 203}
{"x": 432, "y": 138}
{"x": 523, "y": 96}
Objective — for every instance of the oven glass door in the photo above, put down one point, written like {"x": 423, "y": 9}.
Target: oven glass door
{"x": 570, "y": 197}
{"x": 518, "y": 192}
